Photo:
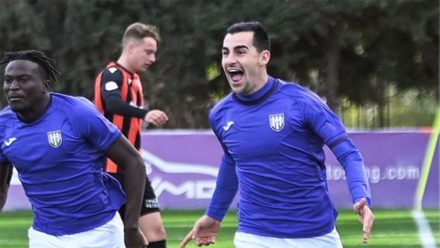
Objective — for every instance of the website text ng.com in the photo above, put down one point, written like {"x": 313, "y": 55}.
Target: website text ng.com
{"x": 376, "y": 174}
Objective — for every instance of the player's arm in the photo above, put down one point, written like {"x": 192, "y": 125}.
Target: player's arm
{"x": 352, "y": 162}
{"x": 225, "y": 190}
{"x": 227, "y": 181}
{"x": 111, "y": 85}
{"x": 206, "y": 228}
{"x": 327, "y": 125}
{"x": 126, "y": 156}
{"x": 5, "y": 180}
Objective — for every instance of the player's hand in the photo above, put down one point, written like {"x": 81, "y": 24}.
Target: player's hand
{"x": 365, "y": 216}
{"x": 156, "y": 117}
{"x": 204, "y": 232}
{"x": 134, "y": 238}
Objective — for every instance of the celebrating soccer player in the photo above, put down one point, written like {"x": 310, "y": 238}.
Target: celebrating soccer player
{"x": 272, "y": 133}
{"x": 59, "y": 144}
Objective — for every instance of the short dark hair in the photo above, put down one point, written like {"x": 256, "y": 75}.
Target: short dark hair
{"x": 46, "y": 63}
{"x": 261, "y": 38}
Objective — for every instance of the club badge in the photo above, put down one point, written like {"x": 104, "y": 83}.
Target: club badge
{"x": 276, "y": 122}
{"x": 54, "y": 138}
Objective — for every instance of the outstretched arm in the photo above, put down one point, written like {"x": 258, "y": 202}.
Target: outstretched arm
{"x": 5, "y": 179}
{"x": 207, "y": 227}
{"x": 124, "y": 154}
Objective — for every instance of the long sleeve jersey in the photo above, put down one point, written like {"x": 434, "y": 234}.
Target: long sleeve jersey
{"x": 273, "y": 143}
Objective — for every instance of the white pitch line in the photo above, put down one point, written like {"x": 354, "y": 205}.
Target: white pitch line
{"x": 425, "y": 234}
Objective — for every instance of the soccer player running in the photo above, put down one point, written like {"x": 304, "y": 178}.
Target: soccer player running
{"x": 272, "y": 133}
{"x": 59, "y": 144}
{"x": 119, "y": 96}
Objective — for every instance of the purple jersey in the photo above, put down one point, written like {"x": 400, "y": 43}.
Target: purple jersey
{"x": 273, "y": 142}
{"x": 60, "y": 159}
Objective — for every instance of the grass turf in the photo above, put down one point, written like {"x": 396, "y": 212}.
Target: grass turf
{"x": 392, "y": 228}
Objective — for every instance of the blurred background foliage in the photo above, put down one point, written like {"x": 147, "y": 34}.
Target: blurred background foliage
{"x": 376, "y": 63}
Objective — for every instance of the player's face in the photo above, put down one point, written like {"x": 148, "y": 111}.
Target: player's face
{"x": 143, "y": 54}
{"x": 244, "y": 66}
{"x": 25, "y": 87}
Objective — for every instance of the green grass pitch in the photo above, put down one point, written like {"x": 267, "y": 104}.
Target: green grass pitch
{"x": 392, "y": 228}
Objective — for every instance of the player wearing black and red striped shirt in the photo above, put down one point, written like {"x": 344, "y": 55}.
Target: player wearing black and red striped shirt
{"x": 119, "y": 96}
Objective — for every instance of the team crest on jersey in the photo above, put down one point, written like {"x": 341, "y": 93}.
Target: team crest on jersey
{"x": 54, "y": 138}
{"x": 276, "y": 122}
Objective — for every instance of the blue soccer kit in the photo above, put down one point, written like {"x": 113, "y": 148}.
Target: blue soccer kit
{"x": 273, "y": 143}
{"x": 60, "y": 160}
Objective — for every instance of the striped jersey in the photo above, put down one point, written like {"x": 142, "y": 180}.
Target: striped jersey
{"x": 60, "y": 162}
{"x": 273, "y": 143}
{"x": 118, "y": 95}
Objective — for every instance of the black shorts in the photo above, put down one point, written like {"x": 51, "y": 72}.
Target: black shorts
{"x": 149, "y": 204}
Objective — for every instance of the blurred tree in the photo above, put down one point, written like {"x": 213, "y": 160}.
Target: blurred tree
{"x": 346, "y": 51}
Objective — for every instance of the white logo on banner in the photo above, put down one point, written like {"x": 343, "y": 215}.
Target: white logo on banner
{"x": 276, "y": 122}
{"x": 192, "y": 189}
{"x": 54, "y": 138}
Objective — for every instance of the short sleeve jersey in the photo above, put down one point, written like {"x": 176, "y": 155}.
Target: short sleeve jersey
{"x": 60, "y": 160}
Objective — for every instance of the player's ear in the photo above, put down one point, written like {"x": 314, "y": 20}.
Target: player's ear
{"x": 264, "y": 57}
{"x": 130, "y": 46}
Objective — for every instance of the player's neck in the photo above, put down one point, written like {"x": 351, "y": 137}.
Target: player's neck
{"x": 35, "y": 113}
{"x": 259, "y": 83}
{"x": 124, "y": 62}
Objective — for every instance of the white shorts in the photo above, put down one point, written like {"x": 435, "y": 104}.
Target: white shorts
{"x": 109, "y": 235}
{"x": 247, "y": 240}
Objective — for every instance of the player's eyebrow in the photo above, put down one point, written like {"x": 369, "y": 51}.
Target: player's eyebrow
{"x": 22, "y": 75}
{"x": 236, "y": 47}
{"x": 240, "y": 47}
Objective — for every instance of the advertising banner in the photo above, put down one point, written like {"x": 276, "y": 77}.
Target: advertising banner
{"x": 182, "y": 167}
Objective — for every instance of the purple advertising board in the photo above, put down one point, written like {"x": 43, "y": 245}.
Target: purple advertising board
{"x": 182, "y": 167}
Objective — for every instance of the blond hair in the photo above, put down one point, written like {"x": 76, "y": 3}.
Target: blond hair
{"x": 138, "y": 31}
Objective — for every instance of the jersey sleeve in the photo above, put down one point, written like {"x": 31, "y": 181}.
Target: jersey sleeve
{"x": 92, "y": 125}
{"x": 330, "y": 128}
{"x": 322, "y": 120}
{"x": 227, "y": 183}
{"x": 225, "y": 191}
{"x": 3, "y": 159}
{"x": 353, "y": 163}
{"x": 111, "y": 85}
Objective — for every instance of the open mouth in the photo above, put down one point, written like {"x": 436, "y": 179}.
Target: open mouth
{"x": 235, "y": 74}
